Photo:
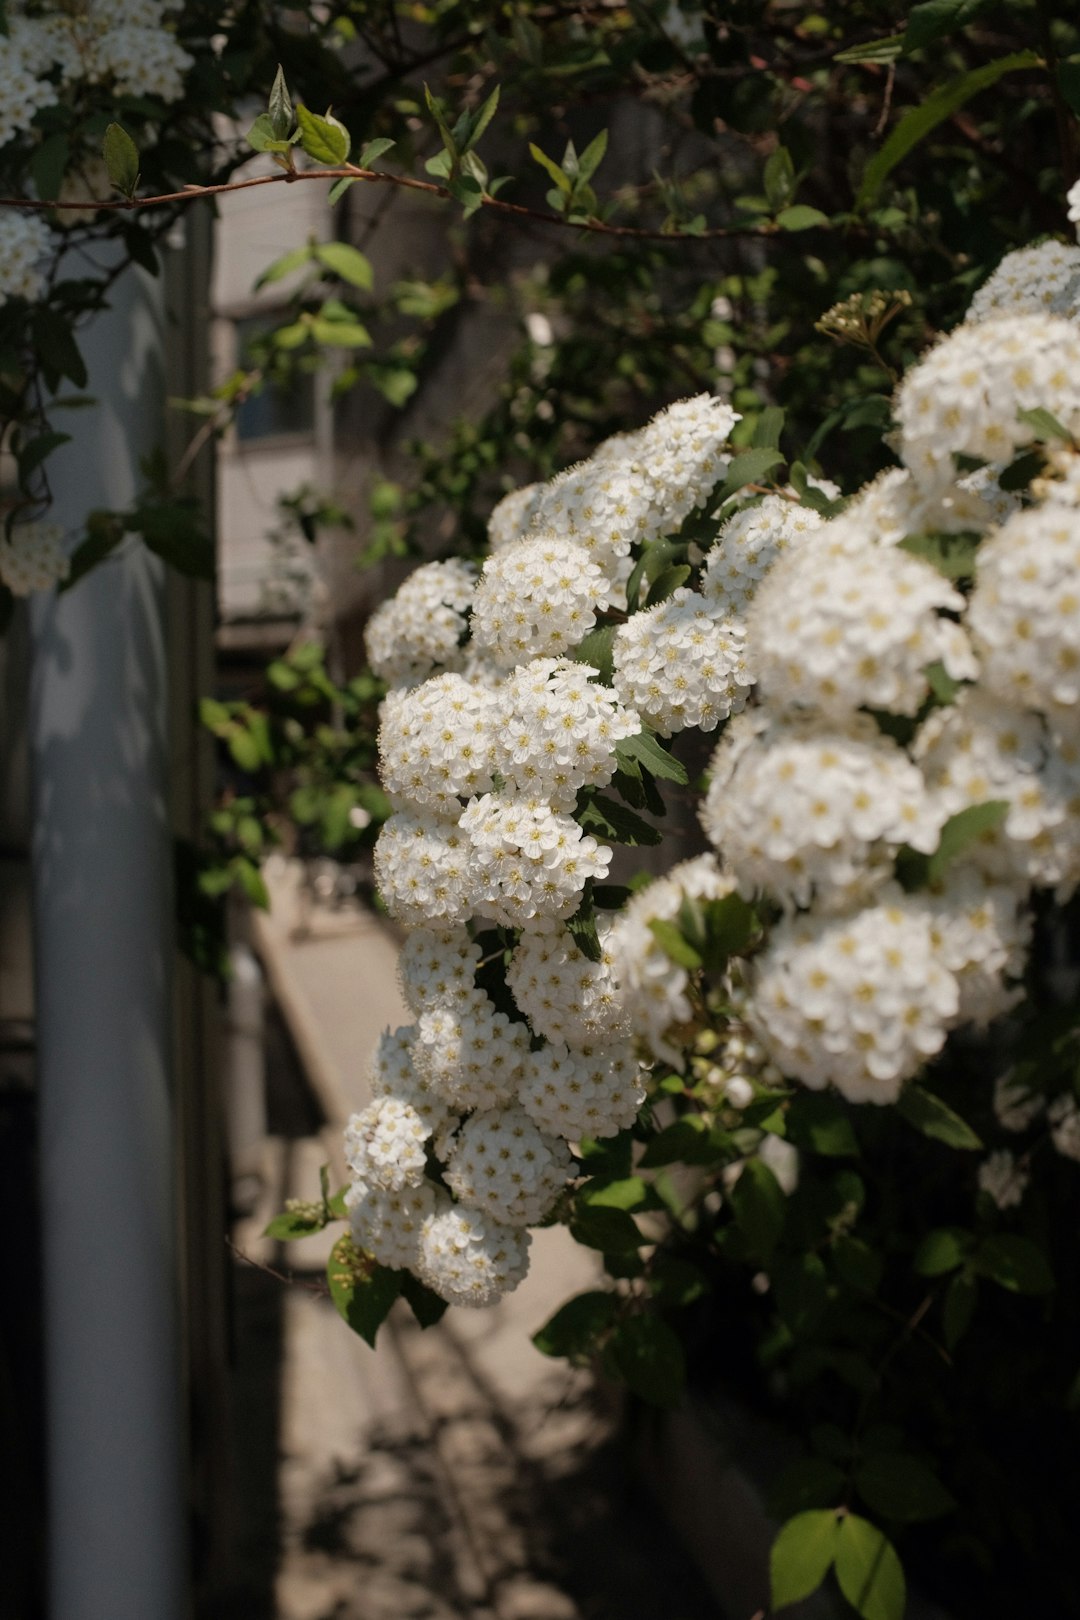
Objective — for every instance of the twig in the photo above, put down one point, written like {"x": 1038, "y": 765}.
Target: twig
{"x": 286, "y": 1277}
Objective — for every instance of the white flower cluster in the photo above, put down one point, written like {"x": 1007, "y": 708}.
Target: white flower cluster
{"x": 1040, "y": 280}
{"x": 535, "y": 598}
{"x": 746, "y": 547}
{"x": 556, "y": 730}
{"x": 33, "y": 557}
{"x": 26, "y": 247}
{"x": 682, "y": 664}
{"x": 422, "y": 628}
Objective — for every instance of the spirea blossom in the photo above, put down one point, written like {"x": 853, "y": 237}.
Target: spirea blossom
{"x": 422, "y": 628}
{"x": 470, "y": 1259}
{"x": 26, "y": 246}
{"x": 1025, "y": 611}
{"x": 800, "y": 807}
{"x": 423, "y": 869}
{"x": 746, "y": 547}
{"x": 384, "y": 1145}
{"x": 471, "y": 1054}
{"x": 593, "y": 1088}
{"x": 1003, "y": 1179}
{"x": 837, "y": 630}
{"x": 680, "y": 664}
{"x": 682, "y": 452}
{"x": 437, "y": 743}
{"x": 386, "y": 1224}
{"x": 1040, "y": 280}
{"x": 513, "y": 517}
{"x": 437, "y": 967}
{"x": 536, "y": 598}
{"x": 654, "y": 987}
{"x": 1063, "y": 1116}
{"x": 393, "y": 1074}
{"x": 858, "y": 1001}
{"x": 528, "y": 860}
{"x": 980, "y": 931}
{"x": 966, "y": 395}
{"x": 501, "y": 1163}
{"x": 556, "y": 731}
{"x": 33, "y": 557}
{"x": 1016, "y": 1105}
{"x": 564, "y": 995}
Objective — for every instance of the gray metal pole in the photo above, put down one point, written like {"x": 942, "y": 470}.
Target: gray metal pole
{"x": 102, "y": 966}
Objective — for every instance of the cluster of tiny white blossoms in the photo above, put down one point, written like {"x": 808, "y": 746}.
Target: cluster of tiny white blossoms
{"x": 898, "y": 774}
{"x": 27, "y": 246}
{"x": 32, "y": 557}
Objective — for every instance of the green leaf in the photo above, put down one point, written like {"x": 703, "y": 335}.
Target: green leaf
{"x": 778, "y": 178}
{"x": 750, "y": 467}
{"x": 293, "y": 1224}
{"x": 951, "y": 554}
{"x": 802, "y": 1556}
{"x": 104, "y": 532}
{"x": 337, "y": 334}
{"x": 759, "y": 1207}
{"x": 374, "y": 150}
{"x": 675, "y": 1281}
{"x": 857, "y": 1264}
{"x": 121, "y": 159}
{"x": 942, "y": 1250}
{"x": 295, "y": 259}
{"x": 818, "y": 1122}
{"x": 48, "y": 165}
{"x": 576, "y": 1326}
{"x": 361, "y": 1289}
{"x": 870, "y": 1574}
{"x": 551, "y": 168}
{"x": 801, "y": 1291}
{"x": 653, "y": 755}
{"x": 768, "y": 428}
{"x": 582, "y": 930}
{"x": 324, "y": 139}
{"x": 604, "y": 818}
{"x": 729, "y": 924}
{"x": 935, "y": 1119}
{"x": 801, "y": 218}
{"x": 630, "y": 1192}
{"x": 898, "y": 1486}
{"x": 613, "y": 1231}
{"x": 685, "y": 1141}
{"x": 346, "y": 262}
{"x": 1015, "y": 1263}
{"x": 174, "y": 532}
{"x": 649, "y": 1355}
{"x": 280, "y": 107}
{"x": 667, "y": 583}
{"x": 963, "y": 830}
{"x": 340, "y": 187}
{"x": 424, "y": 1302}
{"x": 482, "y": 119}
{"x": 938, "y": 105}
{"x": 958, "y": 1308}
{"x": 936, "y": 18}
{"x": 808, "y": 1482}
{"x": 873, "y": 50}
{"x": 592, "y": 157}
{"x": 438, "y": 112}
{"x": 1046, "y": 426}
{"x": 674, "y": 945}
{"x": 261, "y": 137}
{"x": 595, "y": 649}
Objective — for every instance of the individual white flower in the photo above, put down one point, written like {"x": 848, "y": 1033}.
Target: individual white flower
{"x": 593, "y": 1089}
{"x": 1040, "y": 280}
{"x": 1025, "y": 611}
{"x": 437, "y": 743}
{"x": 746, "y": 547}
{"x": 528, "y": 860}
{"x": 387, "y": 1224}
{"x": 966, "y": 395}
{"x": 1016, "y": 1106}
{"x": 1072, "y": 197}
{"x": 385, "y": 1144}
{"x": 981, "y": 931}
{"x": 536, "y": 598}
{"x": 654, "y": 987}
{"x": 1003, "y": 1179}
{"x": 437, "y": 967}
{"x": 26, "y": 247}
{"x": 564, "y": 995}
{"x": 554, "y": 731}
{"x": 501, "y": 1163}
{"x": 1064, "y": 1117}
{"x": 33, "y": 558}
{"x": 393, "y": 1074}
{"x": 798, "y": 807}
{"x": 514, "y": 515}
{"x": 471, "y": 1054}
{"x": 679, "y": 664}
{"x": 470, "y": 1259}
{"x": 858, "y": 1001}
{"x": 422, "y": 628}
{"x": 977, "y": 750}
{"x": 423, "y": 869}
{"x": 837, "y": 630}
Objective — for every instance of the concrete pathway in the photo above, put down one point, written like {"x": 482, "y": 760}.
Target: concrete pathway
{"x": 454, "y": 1474}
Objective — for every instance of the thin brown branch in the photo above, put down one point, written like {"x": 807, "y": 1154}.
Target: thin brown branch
{"x": 287, "y": 1277}
{"x": 595, "y": 227}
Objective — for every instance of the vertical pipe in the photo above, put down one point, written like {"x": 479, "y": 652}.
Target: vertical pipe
{"x": 102, "y": 964}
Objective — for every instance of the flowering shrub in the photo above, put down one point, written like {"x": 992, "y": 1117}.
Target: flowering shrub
{"x": 890, "y": 689}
